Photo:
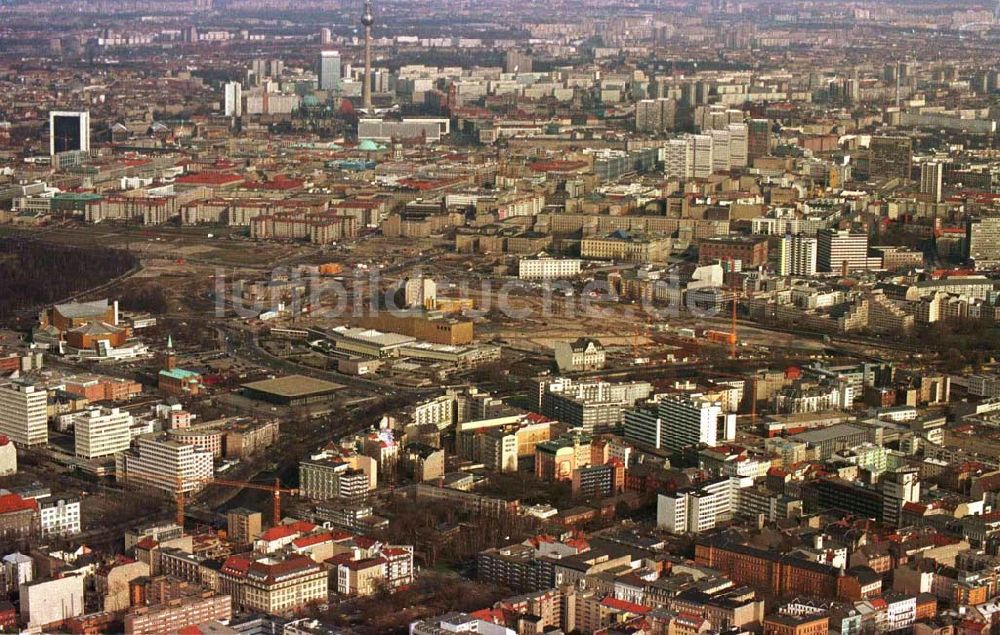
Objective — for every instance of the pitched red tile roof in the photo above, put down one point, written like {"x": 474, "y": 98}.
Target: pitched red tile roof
{"x": 315, "y": 539}
{"x": 623, "y": 605}
{"x": 12, "y": 503}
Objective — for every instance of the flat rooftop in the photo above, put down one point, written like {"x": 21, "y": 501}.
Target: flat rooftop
{"x": 293, "y": 386}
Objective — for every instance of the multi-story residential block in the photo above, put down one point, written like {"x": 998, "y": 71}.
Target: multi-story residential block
{"x": 798, "y": 256}
{"x": 982, "y": 241}
{"x": 548, "y": 268}
{"x": 173, "y": 617}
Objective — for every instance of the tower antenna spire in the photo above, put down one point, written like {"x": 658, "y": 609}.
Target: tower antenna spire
{"x": 367, "y": 19}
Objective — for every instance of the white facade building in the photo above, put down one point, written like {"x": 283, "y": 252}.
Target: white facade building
{"x": 52, "y": 601}
{"x": 797, "y": 256}
{"x": 695, "y": 510}
{"x": 8, "y": 457}
{"x": 677, "y": 422}
{"x": 158, "y": 462}
{"x": 837, "y": 248}
{"x": 233, "y": 105}
{"x": 100, "y": 432}
{"x": 23, "y": 415}
{"x": 60, "y": 515}
{"x": 548, "y": 268}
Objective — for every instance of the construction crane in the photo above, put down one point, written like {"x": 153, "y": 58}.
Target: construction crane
{"x": 276, "y": 490}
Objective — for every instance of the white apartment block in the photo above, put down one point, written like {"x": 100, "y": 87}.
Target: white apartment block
{"x": 100, "y": 432}
{"x": 739, "y": 141}
{"x": 797, "y": 256}
{"x": 158, "y": 462}
{"x": 704, "y": 161}
{"x": 60, "y": 515}
{"x": 696, "y": 510}
{"x": 548, "y": 268}
{"x": 677, "y": 422}
{"x": 440, "y": 411}
{"x": 720, "y": 150}
{"x": 23, "y": 415}
{"x": 678, "y": 160}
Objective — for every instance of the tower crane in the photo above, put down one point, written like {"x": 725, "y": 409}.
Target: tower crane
{"x": 276, "y": 491}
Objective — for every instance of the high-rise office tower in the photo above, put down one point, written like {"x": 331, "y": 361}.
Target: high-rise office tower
{"x": 721, "y": 140}
{"x": 890, "y": 157}
{"x": 517, "y": 62}
{"x": 23, "y": 415}
{"x": 982, "y": 241}
{"x": 797, "y": 256}
{"x": 329, "y": 70}
{"x": 656, "y": 115}
{"x": 738, "y": 144}
{"x": 898, "y": 489}
{"x": 679, "y": 160}
{"x": 679, "y": 421}
{"x": 325, "y": 37}
{"x": 234, "y": 99}
{"x": 837, "y": 250}
{"x": 367, "y": 20}
{"x": 931, "y": 179}
{"x": 69, "y": 131}
{"x": 703, "y": 157}
{"x": 758, "y": 138}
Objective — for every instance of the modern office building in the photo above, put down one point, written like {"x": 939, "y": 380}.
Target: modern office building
{"x": 758, "y": 138}
{"x": 156, "y": 461}
{"x": 890, "y": 157}
{"x": 69, "y": 132}
{"x": 100, "y": 432}
{"x": 329, "y": 70}
{"x": 898, "y": 489}
{"x": 233, "y": 106}
{"x": 982, "y": 241}
{"x": 23, "y": 415}
{"x": 679, "y": 159}
{"x": 797, "y": 256}
{"x": 695, "y": 510}
{"x": 679, "y": 421}
{"x": 840, "y": 249}
{"x": 931, "y": 180}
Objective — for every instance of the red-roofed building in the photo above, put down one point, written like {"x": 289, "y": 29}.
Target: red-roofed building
{"x": 217, "y": 180}
{"x": 19, "y": 517}
{"x": 273, "y": 585}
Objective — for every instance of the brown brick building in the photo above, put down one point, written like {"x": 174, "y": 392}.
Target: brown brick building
{"x": 775, "y": 573}
{"x": 751, "y": 251}
{"x": 796, "y": 625}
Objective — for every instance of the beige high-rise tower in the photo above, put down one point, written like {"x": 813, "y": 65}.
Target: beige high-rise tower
{"x": 367, "y": 19}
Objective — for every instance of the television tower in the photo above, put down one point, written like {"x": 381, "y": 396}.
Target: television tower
{"x": 367, "y": 19}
